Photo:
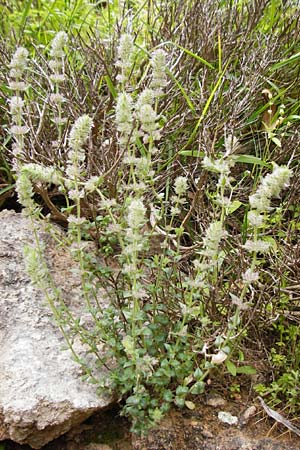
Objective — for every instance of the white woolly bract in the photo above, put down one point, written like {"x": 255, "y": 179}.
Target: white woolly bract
{"x": 136, "y": 214}
{"x": 16, "y": 105}
{"x": 18, "y": 62}
{"x": 258, "y": 246}
{"x": 270, "y": 186}
{"x": 124, "y": 117}
{"x": 180, "y": 185}
{"x": 80, "y": 132}
{"x": 125, "y": 51}
{"x": 57, "y": 45}
{"x": 159, "y": 67}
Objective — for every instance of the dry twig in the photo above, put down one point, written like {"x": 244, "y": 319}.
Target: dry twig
{"x": 279, "y": 418}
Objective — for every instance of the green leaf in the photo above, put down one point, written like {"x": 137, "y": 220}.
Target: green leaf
{"x": 249, "y": 159}
{"x": 276, "y": 141}
{"x": 272, "y": 241}
{"x": 156, "y": 415}
{"x": 231, "y": 367}
{"x": 194, "y": 153}
{"x": 179, "y": 401}
{"x": 241, "y": 356}
{"x": 198, "y": 374}
{"x": 182, "y": 390}
{"x": 198, "y": 388}
{"x": 234, "y": 206}
{"x": 168, "y": 396}
{"x": 246, "y": 370}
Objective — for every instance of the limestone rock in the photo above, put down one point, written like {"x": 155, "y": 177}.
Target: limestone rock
{"x": 41, "y": 392}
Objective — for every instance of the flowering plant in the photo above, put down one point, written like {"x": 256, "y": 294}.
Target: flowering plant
{"x": 172, "y": 317}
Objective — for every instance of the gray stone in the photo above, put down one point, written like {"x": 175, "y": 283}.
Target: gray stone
{"x": 216, "y": 401}
{"x": 41, "y": 392}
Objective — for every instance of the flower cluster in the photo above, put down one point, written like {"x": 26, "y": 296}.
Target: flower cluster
{"x": 136, "y": 214}
{"x": 57, "y": 45}
{"x": 17, "y": 66}
{"x": 250, "y": 276}
{"x": 222, "y": 166}
{"x": 36, "y": 267}
{"x": 25, "y": 192}
{"x": 76, "y": 155}
{"x": 180, "y": 188}
{"x": 159, "y": 69}
{"x": 18, "y": 131}
{"x": 37, "y": 172}
{"x": 146, "y": 97}
{"x": 78, "y": 136}
{"x": 16, "y": 108}
{"x": 257, "y": 246}
{"x": 125, "y": 57}
{"x": 93, "y": 183}
{"x": 135, "y": 242}
{"x": 139, "y": 118}
{"x": 211, "y": 242}
{"x": 57, "y": 54}
{"x": 149, "y": 128}
{"x": 124, "y": 118}
{"x": 29, "y": 174}
{"x": 270, "y": 186}
{"x": 56, "y": 64}
{"x": 142, "y": 110}
{"x": 231, "y": 144}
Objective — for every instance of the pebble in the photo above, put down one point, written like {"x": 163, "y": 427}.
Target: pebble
{"x": 247, "y": 414}
{"x": 216, "y": 401}
{"x": 207, "y": 434}
{"x": 228, "y": 418}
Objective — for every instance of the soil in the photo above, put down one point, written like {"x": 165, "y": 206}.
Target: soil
{"x": 198, "y": 429}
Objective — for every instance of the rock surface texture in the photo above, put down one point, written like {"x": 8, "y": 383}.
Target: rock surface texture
{"x": 41, "y": 392}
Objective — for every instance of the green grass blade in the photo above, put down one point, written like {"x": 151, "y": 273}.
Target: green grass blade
{"x": 207, "y": 105}
{"x": 285, "y": 62}
{"x": 110, "y": 86}
{"x": 293, "y": 117}
{"x": 2, "y": 191}
{"x": 219, "y": 52}
{"x": 249, "y": 159}
{"x": 183, "y": 92}
{"x": 194, "y": 153}
{"x": 188, "y": 52}
{"x": 25, "y": 15}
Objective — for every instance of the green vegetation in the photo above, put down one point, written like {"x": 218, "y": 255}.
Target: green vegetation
{"x": 164, "y": 137}
{"x": 36, "y": 22}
